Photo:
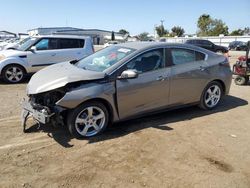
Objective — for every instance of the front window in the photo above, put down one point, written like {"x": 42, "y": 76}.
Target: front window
{"x": 24, "y": 46}
{"x": 105, "y": 58}
{"x": 148, "y": 61}
{"x": 47, "y": 44}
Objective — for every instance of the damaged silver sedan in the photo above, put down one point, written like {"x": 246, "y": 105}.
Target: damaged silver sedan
{"x": 125, "y": 81}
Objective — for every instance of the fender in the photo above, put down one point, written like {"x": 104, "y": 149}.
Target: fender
{"x": 15, "y": 60}
{"x": 105, "y": 91}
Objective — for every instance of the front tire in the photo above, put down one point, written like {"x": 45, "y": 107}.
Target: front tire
{"x": 211, "y": 96}
{"x": 87, "y": 120}
{"x": 13, "y": 74}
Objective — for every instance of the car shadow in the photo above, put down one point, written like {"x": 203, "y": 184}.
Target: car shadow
{"x": 158, "y": 121}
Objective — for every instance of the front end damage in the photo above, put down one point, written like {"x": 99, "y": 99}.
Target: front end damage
{"x": 43, "y": 109}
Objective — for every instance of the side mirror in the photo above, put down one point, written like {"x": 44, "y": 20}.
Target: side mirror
{"x": 33, "y": 49}
{"x": 129, "y": 74}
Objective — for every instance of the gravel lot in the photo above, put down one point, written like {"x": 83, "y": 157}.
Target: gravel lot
{"x": 182, "y": 148}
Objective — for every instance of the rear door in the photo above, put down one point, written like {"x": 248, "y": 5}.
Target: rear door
{"x": 150, "y": 90}
{"x": 188, "y": 75}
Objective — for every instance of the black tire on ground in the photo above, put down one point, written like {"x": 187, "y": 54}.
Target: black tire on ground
{"x": 241, "y": 80}
{"x": 20, "y": 69}
{"x": 73, "y": 114}
{"x": 203, "y": 105}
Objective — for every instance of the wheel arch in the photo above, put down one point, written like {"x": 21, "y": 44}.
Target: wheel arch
{"x": 223, "y": 85}
{"x": 13, "y": 61}
{"x": 16, "y": 64}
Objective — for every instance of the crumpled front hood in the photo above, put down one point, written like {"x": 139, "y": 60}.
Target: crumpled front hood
{"x": 12, "y": 53}
{"x": 58, "y": 75}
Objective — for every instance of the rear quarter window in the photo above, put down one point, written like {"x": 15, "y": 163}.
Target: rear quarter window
{"x": 69, "y": 43}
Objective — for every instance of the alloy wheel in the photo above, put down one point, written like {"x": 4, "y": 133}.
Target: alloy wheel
{"x": 14, "y": 74}
{"x": 212, "y": 96}
{"x": 90, "y": 121}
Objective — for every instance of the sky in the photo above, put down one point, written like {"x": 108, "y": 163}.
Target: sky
{"x": 136, "y": 16}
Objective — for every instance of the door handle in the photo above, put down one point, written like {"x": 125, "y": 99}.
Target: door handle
{"x": 53, "y": 54}
{"x": 160, "y": 78}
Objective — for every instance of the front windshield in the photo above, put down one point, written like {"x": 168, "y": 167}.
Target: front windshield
{"x": 23, "y": 41}
{"x": 105, "y": 58}
{"x": 26, "y": 44}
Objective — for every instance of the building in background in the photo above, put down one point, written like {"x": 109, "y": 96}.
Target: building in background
{"x": 98, "y": 36}
{"x": 7, "y": 35}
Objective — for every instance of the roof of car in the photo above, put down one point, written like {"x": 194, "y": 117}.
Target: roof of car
{"x": 62, "y": 36}
{"x": 144, "y": 45}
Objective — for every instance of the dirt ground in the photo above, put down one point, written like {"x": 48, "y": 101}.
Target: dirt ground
{"x": 182, "y": 148}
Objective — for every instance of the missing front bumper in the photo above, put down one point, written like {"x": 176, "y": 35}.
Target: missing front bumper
{"x": 41, "y": 116}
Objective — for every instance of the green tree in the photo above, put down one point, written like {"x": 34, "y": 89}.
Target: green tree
{"x": 177, "y": 31}
{"x": 237, "y": 32}
{"x": 208, "y": 26}
{"x": 218, "y": 27}
{"x": 161, "y": 31}
{"x": 143, "y": 36}
{"x": 123, "y": 31}
{"x": 204, "y": 24}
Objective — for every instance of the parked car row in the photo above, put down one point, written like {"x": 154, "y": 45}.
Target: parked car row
{"x": 39, "y": 51}
{"x": 120, "y": 82}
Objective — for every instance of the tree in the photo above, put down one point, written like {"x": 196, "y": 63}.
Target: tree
{"x": 211, "y": 27}
{"x": 218, "y": 27}
{"x": 204, "y": 24}
{"x": 143, "y": 36}
{"x": 237, "y": 32}
{"x": 177, "y": 31}
{"x": 161, "y": 31}
{"x": 246, "y": 31}
{"x": 123, "y": 31}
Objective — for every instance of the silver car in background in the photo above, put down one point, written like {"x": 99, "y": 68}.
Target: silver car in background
{"x": 125, "y": 81}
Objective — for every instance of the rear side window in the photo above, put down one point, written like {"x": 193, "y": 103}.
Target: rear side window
{"x": 182, "y": 56}
{"x": 70, "y": 43}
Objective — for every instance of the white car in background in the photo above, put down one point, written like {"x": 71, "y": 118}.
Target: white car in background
{"x": 41, "y": 51}
{"x": 110, "y": 43}
{"x": 15, "y": 44}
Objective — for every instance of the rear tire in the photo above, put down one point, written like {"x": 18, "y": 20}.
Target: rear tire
{"x": 241, "y": 80}
{"x": 13, "y": 74}
{"x": 87, "y": 120}
{"x": 211, "y": 96}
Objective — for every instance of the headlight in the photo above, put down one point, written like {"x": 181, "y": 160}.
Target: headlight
{"x": 2, "y": 57}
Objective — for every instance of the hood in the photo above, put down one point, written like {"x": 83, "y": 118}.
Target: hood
{"x": 11, "y": 53}
{"x": 58, "y": 75}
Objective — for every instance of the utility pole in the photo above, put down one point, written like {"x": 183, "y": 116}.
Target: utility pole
{"x": 162, "y": 21}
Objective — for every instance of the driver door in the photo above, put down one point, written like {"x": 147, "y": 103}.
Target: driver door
{"x": 150, "y": 90}
{"x": 44, "y": 55}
